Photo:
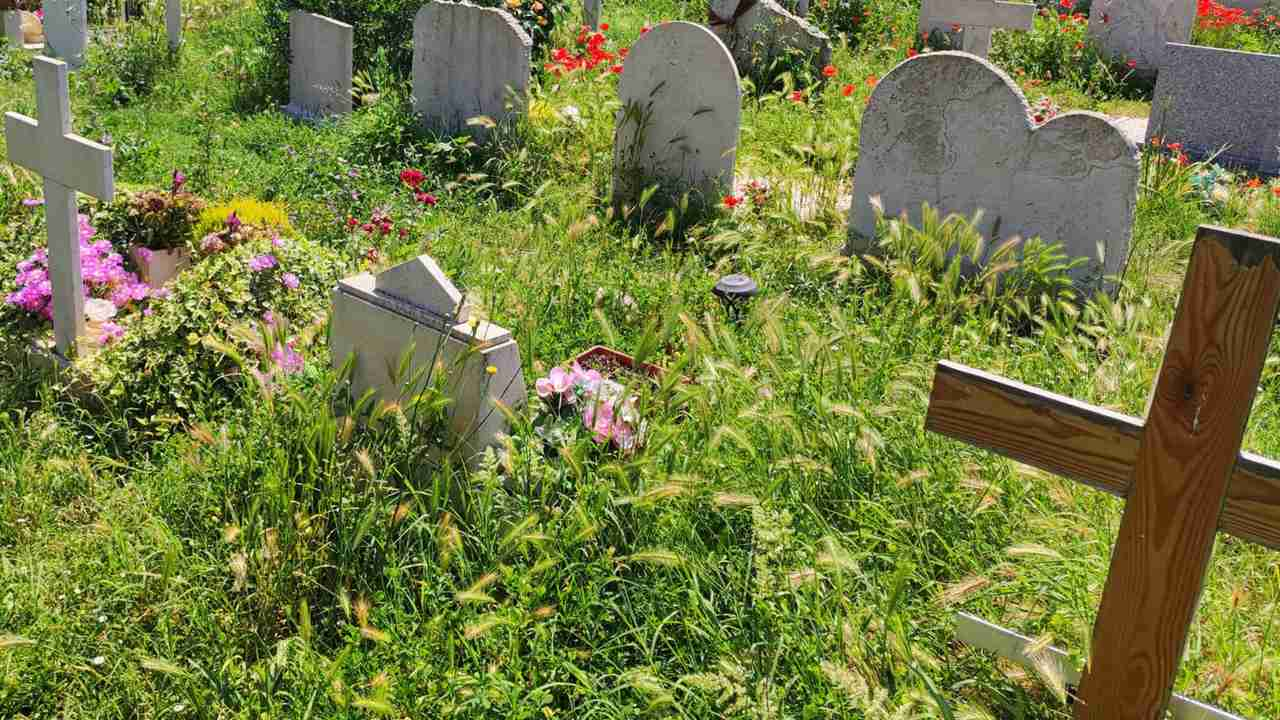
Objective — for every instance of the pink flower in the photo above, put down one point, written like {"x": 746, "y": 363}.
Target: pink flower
{"x": 262, "y": 262}
{"x": 145, "y": 254}
{"x": 277, "y": 242}
{"x": 269, "y": 317}
{"x": 556, "y": 388}
{"x": 287, "y": 359}
{"x": 290, "y": 281}
{"x": 111, "y": 332}
{"x": 178, "y": 180}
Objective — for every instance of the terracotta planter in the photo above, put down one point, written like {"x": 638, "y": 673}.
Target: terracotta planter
{"x": 158, "y": 267}
{"x": 603, "y": 358}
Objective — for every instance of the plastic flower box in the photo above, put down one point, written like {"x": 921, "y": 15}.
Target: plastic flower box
{"x": 608, "y": 361}
{"x": 157, "y": 267}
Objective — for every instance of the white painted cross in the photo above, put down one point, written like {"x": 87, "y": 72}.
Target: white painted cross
{"x": 977, "y": 17}
{"x": 68, "y": 163}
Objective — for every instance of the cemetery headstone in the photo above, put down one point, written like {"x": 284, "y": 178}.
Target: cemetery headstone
{"x": 173, "y": 23}
{"x": 976, "y": 20}
{"x": 320, "y": 50}
{"x": 591, "y": 13}
{"x": 469, "y": 62}
{"x": 1213, "y": 100}
{"x": 760, "y": 32}
{"x": 1181, "y": 472}
{"x": 678, "y": 125}
{"x": 378, "y": 317}
{"x": 66, "y": 30}
{"x": 1139, "y": 30}
{"x": 13, "y": 30}
{"x": 68, "y": 163}
{"x": 951, "y": 130}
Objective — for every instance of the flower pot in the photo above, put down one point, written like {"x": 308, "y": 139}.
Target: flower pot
{"x": 158, "y": 267}
{"x": 603, "y": 359}
{"x": 32, "y": 28}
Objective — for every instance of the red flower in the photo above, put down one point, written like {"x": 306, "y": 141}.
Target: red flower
{"x": 412, "y": 177}
{"x": 847, "y": 90}
{"x": 352, "y": 222}
{"x": 797, "y": 96}
{"x": 912, "y": 53}
{"x": 426, "y": 199}
{"x": 872, "y": 80}
{"x": 829, "y": 71}
{"x": 604, "y": 26}
{"x": 1253, "y": 183}
{"x": 1132, "y": 64}
{"x": 732, "y": 201}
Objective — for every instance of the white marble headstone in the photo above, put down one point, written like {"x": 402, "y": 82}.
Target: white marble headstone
{"x": 681, "y": 108}
{"x": 173, "y": 22}
{"x": 1139, "y": 30}
{"x": 66, "y": 30}
{"x": 377, "y": 318}
{"x": 469, "y": 62}
{"x": 320, "y": 51}
{"x": 951, "y": 130}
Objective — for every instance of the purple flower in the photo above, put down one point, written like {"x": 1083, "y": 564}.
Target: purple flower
{"x": 33, "y": 202}
{"x": 290, "y": 281}
{"x": 233, "y": 222}
{"x": 269, "y": 317}
{"x": 145, "y": 254}
{"x": 262, "y": 262}
{"x": 277, "y": 242}
{"x": 111, "y": 332}
{"x": 178, "y": 180}
{"x": 287, "y": 359}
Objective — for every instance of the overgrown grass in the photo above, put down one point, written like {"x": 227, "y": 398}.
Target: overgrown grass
{"x": 789, "y": 543}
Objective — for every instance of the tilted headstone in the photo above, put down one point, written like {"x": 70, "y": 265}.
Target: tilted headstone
{"x": 976, "y": 18}
{"x": 678, "y": 125}
{"x": 591, "y": 13}
{"x": 469, "y": 62}
{"x": 1139, "y": 30}
{"x": 1213, "y": 100}
{"x": 68, "y": 163}
{"x": 320, "y": 51}
{"x": 66, "y": 30}
{"x": 378, "y": 317}
{"x": 760, "y": 32}
{"x": 950, "y": 130}
{"x": 173, "y": 23}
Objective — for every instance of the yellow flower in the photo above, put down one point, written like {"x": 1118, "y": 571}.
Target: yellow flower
{"x": 491, "y": 370}
{"x": 542, "y": 20}
{"x": 513, "y": 4}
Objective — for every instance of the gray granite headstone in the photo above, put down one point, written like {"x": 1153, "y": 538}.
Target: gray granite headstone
{"x": 320, "y": 51}
{"x": 66, "y": 30}
{"x": 1213, "y": 100}
{"x": 681, "y": 108}
{"x": 1139, "y": 30}
{"x": 761, "y": 32}
{"x": 469, "y": 62}
{"x": 951, "y": 130}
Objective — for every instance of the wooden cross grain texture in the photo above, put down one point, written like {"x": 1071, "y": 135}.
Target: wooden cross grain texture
{"x": 1182, "y": 472}
{"x": 68, "y": 163}
{"x": 978, "y": 18}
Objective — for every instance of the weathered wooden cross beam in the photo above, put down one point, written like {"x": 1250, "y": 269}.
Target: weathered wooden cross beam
{"x": 1182, "y": 473}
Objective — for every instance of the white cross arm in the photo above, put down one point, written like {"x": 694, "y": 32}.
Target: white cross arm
{"x": 69, "y": 160}
{"x": 978, "y": 13}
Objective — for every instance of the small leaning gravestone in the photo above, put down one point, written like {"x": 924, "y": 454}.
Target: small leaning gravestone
{"x": 758, "y": 33}
{"x": 1139, "y": 30}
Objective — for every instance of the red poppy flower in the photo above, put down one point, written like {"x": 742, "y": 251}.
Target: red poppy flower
{"x": 829, "y": 71}
{"x": 732, "y": 201}
{"x": 847, "y": 90}
{"x": 797, "y": 96}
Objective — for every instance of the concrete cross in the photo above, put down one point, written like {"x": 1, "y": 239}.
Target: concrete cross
{"x": 68, "y": 163}
{"x": 1181, "y": 472}
{"x": 977, "y": 17}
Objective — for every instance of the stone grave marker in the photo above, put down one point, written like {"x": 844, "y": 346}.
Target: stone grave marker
{"x": 320, "y": 51}
{"x": 68, "y": 163}
{"x": 976, "y": 18}
{"x": 759, "y": 32}
{"x": 1213, "y": 100}
{"x": 66, "y": 30}
{"x": 173, "y": 23}
{"x": 469, "y": 62}
{"x": 591, "y": 13}
{"x": 1181, "y": 472}
{"x": 1139, "y": 30}
{"x": 678, "y": 125}
{"x": 378, "y": 317}
{"x": 950, "y": 130}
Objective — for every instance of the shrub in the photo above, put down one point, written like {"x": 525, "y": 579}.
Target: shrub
{"x": 387, "y": 25}
{"x": 126, "y": 64}
{"x": 1058, "y": 49}
{"x": 863, "y": 22}
{"x": 255, "y": 213}
{"x": 155, "y": 219}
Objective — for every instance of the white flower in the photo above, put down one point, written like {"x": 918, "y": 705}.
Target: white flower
{"x": 97, "y": 661}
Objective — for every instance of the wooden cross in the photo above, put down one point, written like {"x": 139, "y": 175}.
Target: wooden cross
{"x": 68, "y": 163}
{"x": 1182, "y": 472}
{"x": 977, "y": 17}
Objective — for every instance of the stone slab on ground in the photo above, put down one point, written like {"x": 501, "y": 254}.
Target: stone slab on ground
{"x": 1220, "y": 102}
{"x": 469, "y": 62}
{"x": 951, "y": 130}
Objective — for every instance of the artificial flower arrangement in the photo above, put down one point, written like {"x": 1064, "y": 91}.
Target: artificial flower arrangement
{"x": 575, "y": 398}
